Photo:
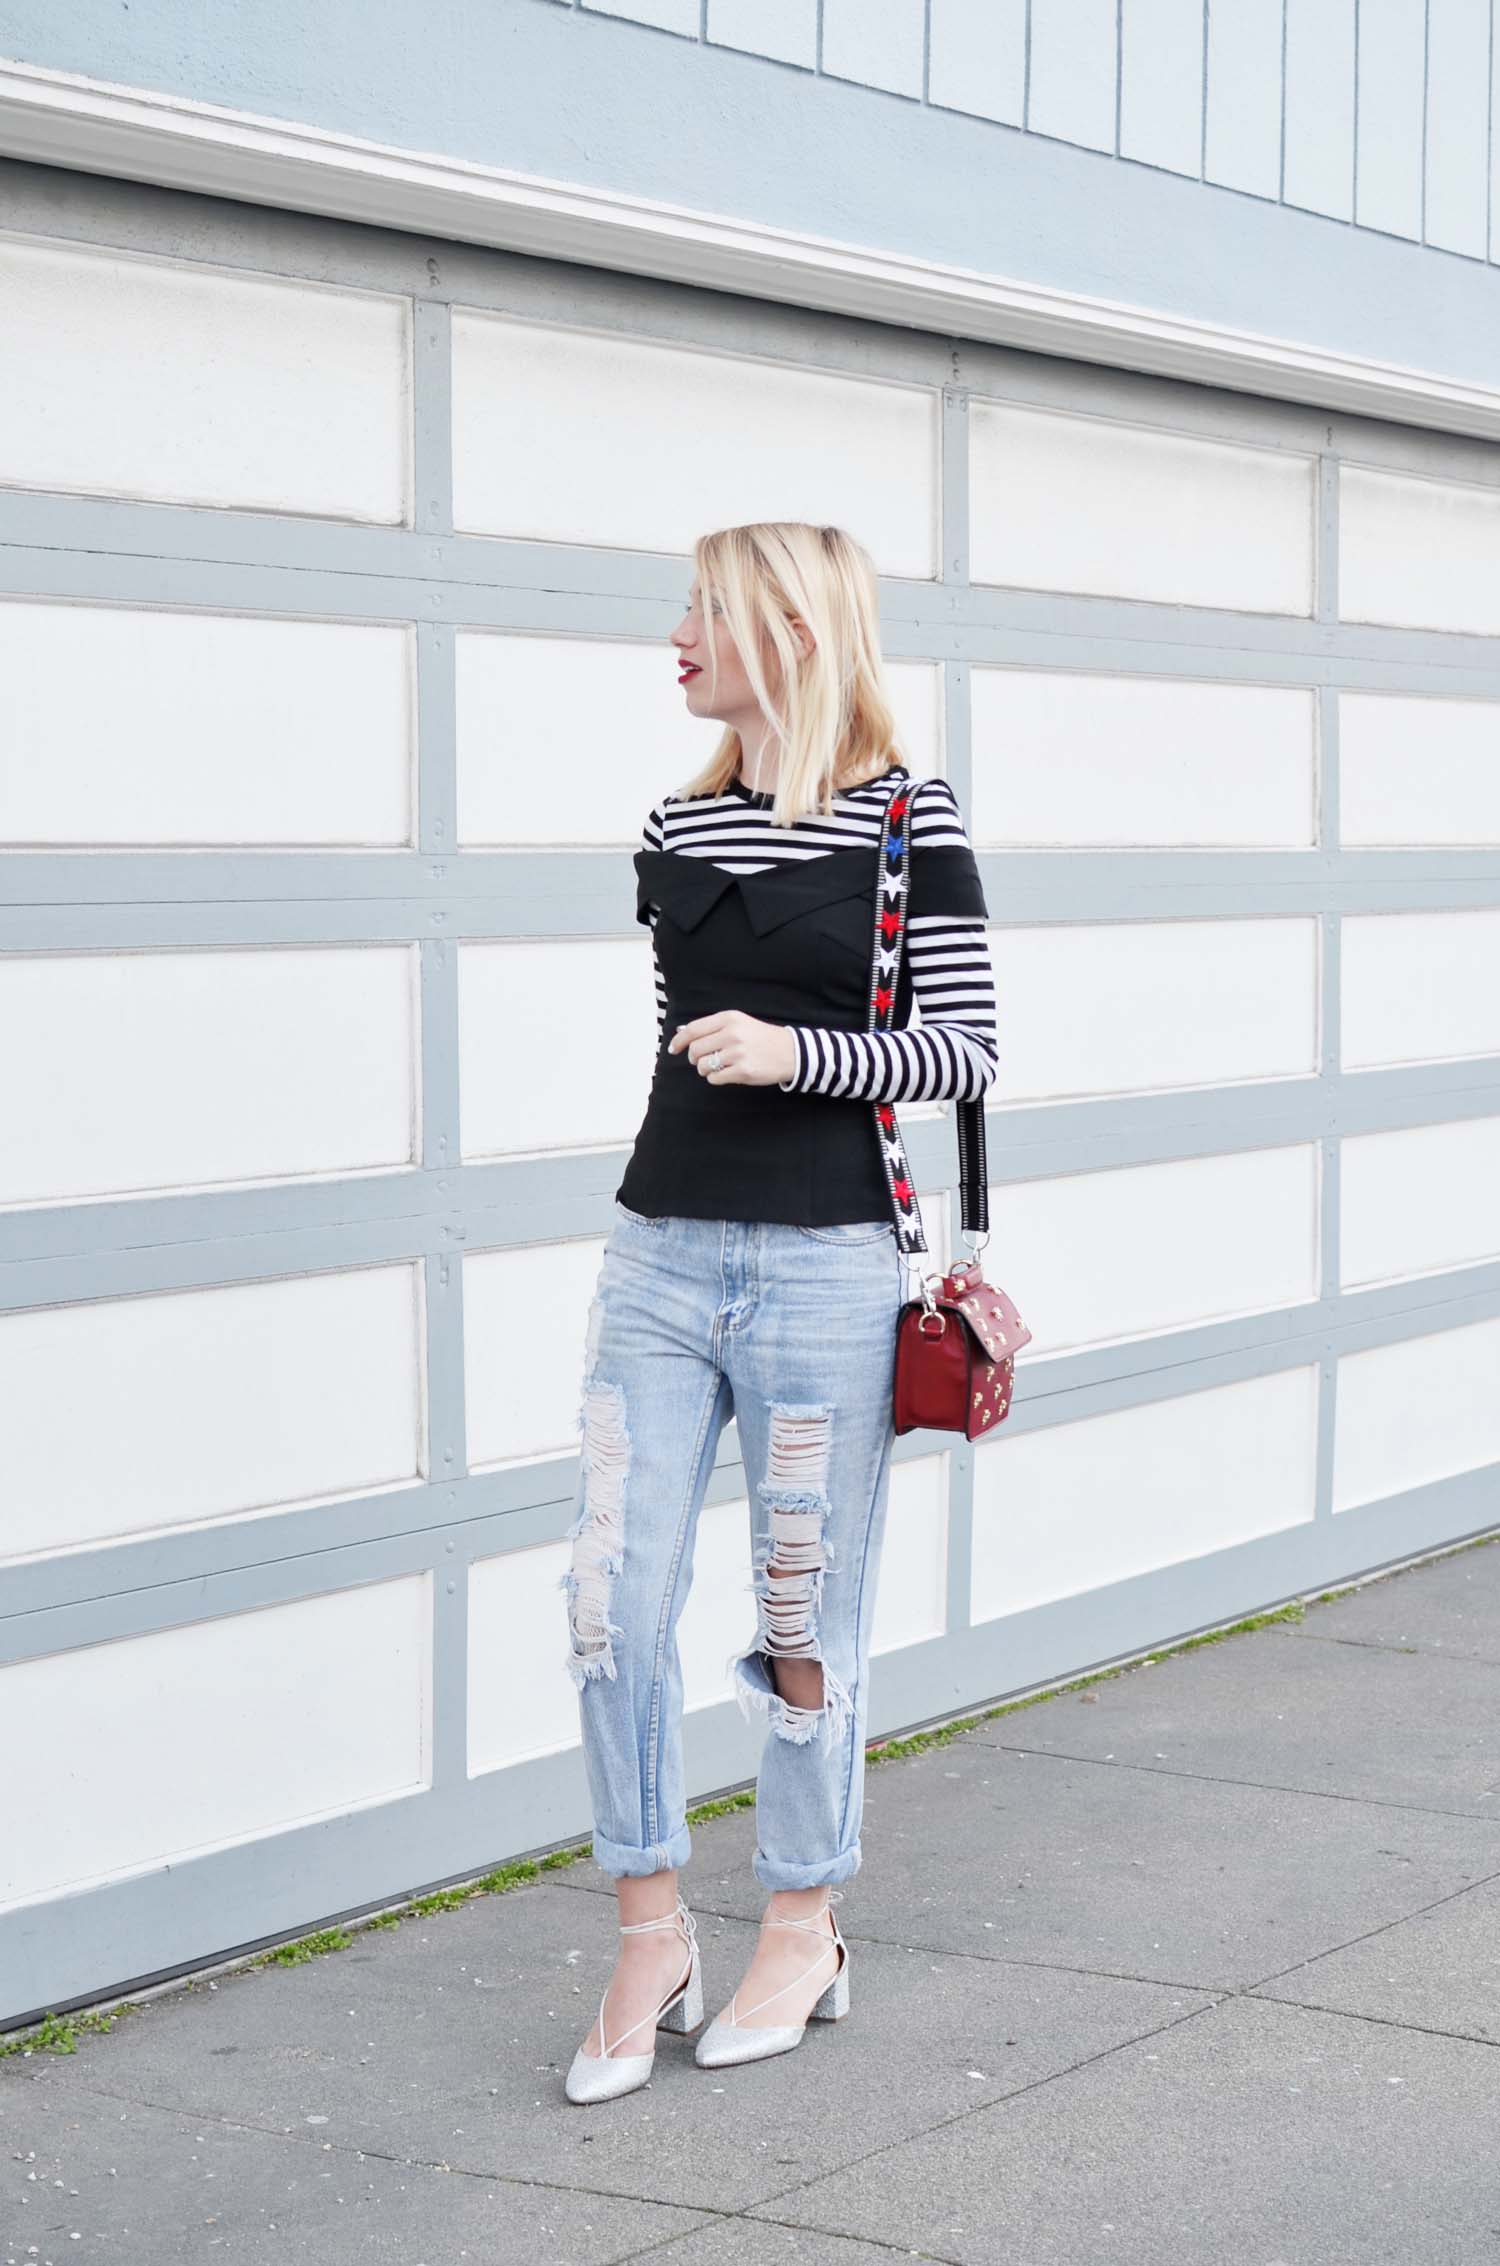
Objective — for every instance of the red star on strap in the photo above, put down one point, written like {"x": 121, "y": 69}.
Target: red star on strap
{"x": 883, "y": 1000}
{"x": 885, "y": 1113}
{"x": 889, "y": 923}
{"x": 902, "y": 1189}
{"x": 898, "y": 805}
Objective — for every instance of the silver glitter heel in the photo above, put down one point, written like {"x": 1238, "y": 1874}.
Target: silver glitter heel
{"x": 728, "y": 2041}
{"x": 604, "y": 2076}
{"x": 834, "y": 2004}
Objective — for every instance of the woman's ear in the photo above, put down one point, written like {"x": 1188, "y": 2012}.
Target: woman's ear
{"x": 801, "y": 632}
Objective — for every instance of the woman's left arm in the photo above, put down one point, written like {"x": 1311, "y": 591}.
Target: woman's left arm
{"x": 954, "y": 1056}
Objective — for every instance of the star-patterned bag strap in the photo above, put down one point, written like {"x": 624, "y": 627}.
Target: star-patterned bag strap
{"x": 891, "y": 881}
{"x": 892, "y": 886}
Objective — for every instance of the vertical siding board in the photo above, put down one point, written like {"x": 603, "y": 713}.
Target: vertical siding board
{"x": 1161, "y": 83}
{"x": 1242, "y": 129}
{"x": 1458, "y": 102}
{"x": 1073, "y": 64}
{"x": 1388, "y": 185}
{"x": 661, "y": 15}
{"x": 977, "y": 58}
{"x": 1320, "y": 106}
{"x": 879, "y": 43}
{"x": 784, "y": 30}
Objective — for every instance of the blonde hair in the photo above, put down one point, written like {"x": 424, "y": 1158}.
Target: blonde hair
{"x": 835, "y": 724}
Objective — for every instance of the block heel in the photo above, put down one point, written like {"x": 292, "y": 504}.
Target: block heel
{"x": 685, "y": 2013}
{"x": 834, "y": 2004}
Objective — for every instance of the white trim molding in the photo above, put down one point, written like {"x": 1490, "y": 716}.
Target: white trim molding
{"x": 59, "y": 118}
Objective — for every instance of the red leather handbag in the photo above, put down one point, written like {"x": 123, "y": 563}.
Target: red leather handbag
{"x": 956, "y": 1343}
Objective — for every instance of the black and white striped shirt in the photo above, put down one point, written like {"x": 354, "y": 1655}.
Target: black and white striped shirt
{"x": 952, "y": 1055}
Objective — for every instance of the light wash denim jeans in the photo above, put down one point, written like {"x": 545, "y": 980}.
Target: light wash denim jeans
{"x": 790, "y": 1330}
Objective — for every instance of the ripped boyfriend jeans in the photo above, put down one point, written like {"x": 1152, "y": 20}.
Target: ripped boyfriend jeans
{"x": 791, "y": 1330}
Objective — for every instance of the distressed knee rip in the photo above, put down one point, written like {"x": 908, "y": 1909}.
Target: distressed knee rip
{"x": 598, "y": 1532}
{"x": 788, "y": 1584}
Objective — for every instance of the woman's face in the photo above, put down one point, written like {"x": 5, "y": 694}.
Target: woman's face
{"x": 703, "y": 642}
{"x": 732, "y": 699}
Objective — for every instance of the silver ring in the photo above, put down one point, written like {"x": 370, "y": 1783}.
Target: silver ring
{"x": 715, "y": 1060}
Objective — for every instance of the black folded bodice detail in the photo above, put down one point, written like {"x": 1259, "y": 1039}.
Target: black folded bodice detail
{"x": 790, "y": 944}
{"x": 688, "y": 887}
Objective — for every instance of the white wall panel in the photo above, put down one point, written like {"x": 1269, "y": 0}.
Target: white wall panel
{"x": 1420, "y": 1199}
{"x": 1320, "y": 48}
{"x": 557, "y": 1042}
{"x": 525, "y": 1323}
{"x": 1066, "y": 502}
{"x": 123, "y": 725}
{"x": 1065, "y": 760}
{"x": 1420, "y": 987}
{"x": 572, "y": 436}
{"x": 911, "y": 1604}
{"x": 976, "y": 58}
{"x": 1074, "y": 1507}
{"x": 1415, "y": 1411}
{"x": 1146, "y": 1006}
{"x": 299, "y": 1712}
{"x": 521, "y": 1700}
{"x": 126, "y": 1416}
{"x": 1242, "y": 129}
{"x": 127, "y": 376}
{"x": 609, "y": 713}
{"x": 1392, "y": 72}
{"x": 1421, "y": 553}
{"x": 916, "y": 690}
{"x": 1458, "y": 125}
{"x": 1096, "y": 1258}
{"x": 156, "y": 1070}
{"x": 1073, "y": 58}
{"x": 1417, "y": 770}
{"x": 1161, "y": 83}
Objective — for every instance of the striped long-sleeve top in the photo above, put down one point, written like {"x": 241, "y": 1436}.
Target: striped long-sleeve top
{"x": 952, "y": 1054}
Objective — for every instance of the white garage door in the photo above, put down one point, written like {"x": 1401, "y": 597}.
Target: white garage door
{"x": 325, "y": 563}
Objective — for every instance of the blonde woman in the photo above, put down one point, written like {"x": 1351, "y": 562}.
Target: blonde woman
{"x": 752, "y": 1270}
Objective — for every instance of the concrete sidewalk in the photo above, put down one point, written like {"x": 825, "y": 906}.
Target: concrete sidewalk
{"x": 1199, "y": 1963}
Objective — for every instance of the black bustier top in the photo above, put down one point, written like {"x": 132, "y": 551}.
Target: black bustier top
{"x": 790, "y": 944}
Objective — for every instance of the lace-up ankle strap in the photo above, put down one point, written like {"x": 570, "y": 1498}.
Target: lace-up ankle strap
{"x": 813, "y": 1926}
{"x": 680, "y": 1917}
